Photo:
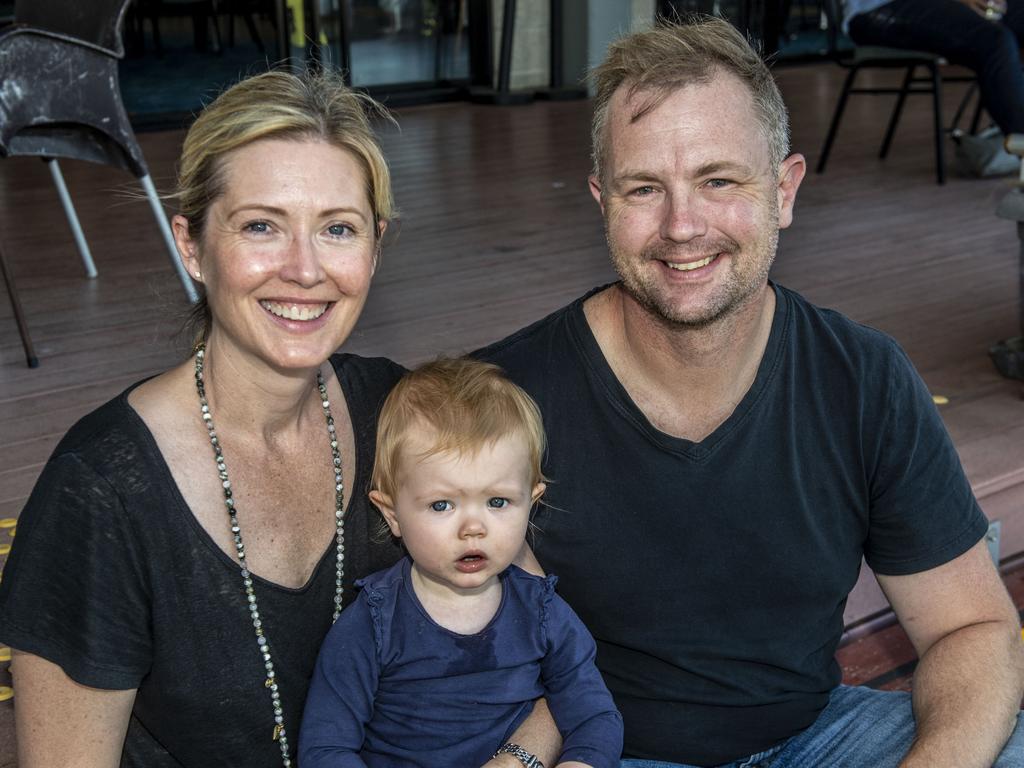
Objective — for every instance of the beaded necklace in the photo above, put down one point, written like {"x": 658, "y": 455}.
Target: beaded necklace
{"x": 280, "y": 735}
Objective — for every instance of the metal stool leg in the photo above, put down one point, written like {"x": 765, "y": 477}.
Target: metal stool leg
{"x": 69, "y": 211}
{"x": 19, "y": 316}
{"x": 940, "y": 133}
{"x": 165, "y": 230}
{"x": 836, "y": 117}
{"x": 894, "y": 119}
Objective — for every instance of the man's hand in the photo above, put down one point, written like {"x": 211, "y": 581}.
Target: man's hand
{"x": 990, "y": 9}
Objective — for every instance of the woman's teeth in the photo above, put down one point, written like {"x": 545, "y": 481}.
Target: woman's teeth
{"x": 293, "y": 311}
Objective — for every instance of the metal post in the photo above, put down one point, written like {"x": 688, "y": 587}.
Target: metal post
{"x": 165, "y": 230}
{"x": 69, "y": 211}
{"x": 19, "y": 316}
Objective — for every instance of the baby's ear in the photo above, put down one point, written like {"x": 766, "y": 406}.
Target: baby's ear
{"x": 387, "y": 509}
{"x": 538, "y": 491}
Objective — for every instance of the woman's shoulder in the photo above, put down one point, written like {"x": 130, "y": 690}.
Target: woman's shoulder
{"x": 366, "y": 379}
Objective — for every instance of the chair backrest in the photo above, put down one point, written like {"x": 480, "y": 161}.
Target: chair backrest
{"x": 94, "y": 21}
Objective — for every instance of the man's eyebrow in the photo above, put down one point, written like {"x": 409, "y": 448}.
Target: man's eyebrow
{"x": 633, "y": 175}
{"x": 723, "y": 166}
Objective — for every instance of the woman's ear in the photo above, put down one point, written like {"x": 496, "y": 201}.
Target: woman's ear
{"x": 387, "y": 509}
{"x": 188, "y": 247}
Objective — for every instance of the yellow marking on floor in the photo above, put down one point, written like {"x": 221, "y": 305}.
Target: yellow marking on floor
{"x": 8, "y": 522}
{"x": 940, "y": 399}
{"x": 6, "y": 692}
{"x": 5, "y": 654}
{"x": 4, "y": 549}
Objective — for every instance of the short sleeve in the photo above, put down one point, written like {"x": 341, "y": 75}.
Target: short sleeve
{"x": 923, "y": 512}
{"x": 74, "y": 590}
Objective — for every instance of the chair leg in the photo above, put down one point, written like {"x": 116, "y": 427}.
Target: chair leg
{"x": 69, "y": 211}
{"x": 836, "y": 117}
{"x": 19, "y": 316}
{"x": 165, "y": 230}
{"x": 954, "y": 124}
{"x": 976, "y": 120}
{"x": 940, "y": 133}
{"x": 894, "y": 118}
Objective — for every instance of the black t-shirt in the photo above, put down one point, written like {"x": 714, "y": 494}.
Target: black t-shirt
{"x": 714, "y": 575}
{"x": 112, "y": 578}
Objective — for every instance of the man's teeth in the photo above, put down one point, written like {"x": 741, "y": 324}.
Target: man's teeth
{"x": 293, "y": 311}
{"x": 693, "y": 264}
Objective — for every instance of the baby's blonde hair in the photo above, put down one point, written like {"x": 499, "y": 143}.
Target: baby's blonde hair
{"x": 466, "y": 403}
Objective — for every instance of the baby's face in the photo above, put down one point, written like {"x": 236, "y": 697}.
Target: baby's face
{"x": 462, "y": 517}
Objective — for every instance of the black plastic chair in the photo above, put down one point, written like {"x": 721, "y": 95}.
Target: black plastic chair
{"x": 58, "y": 75}
{"x": 872, "y": 57}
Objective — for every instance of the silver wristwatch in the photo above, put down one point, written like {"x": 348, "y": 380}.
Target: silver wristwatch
{"x": 528, "y": 760}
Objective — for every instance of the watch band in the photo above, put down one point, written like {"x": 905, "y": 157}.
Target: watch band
{"x": 526, "y": 758}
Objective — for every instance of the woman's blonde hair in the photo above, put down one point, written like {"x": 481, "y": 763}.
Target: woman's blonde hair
{"x": 466, "y": 404}
{"x": 281, "y": 105}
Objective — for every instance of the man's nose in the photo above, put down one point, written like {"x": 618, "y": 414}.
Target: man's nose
{"x": 302, "y": 263}
{"x": 683, "y": 218}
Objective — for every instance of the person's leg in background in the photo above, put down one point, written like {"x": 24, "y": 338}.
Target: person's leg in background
{"x": 962, "y": 36}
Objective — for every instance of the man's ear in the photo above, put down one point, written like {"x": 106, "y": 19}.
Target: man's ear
{"x": 791, "y": 173}
{"x": 595, "y": 190}
{"x": 387, "y": 509}
{"x": 188, "y": 247}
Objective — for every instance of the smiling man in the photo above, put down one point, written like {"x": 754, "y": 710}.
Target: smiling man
{"x": 723, "y": 454}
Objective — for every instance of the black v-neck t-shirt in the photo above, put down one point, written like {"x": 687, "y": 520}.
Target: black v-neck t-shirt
{"x": 714, "y": 574}
{"x": 112, "y": 578}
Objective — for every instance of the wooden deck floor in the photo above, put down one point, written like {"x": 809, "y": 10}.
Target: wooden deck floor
{"x": 498, "y": 229}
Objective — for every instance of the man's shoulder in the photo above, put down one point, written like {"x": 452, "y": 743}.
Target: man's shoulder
{"x": 822, "y": 330}
{"x": 531, "y": 345}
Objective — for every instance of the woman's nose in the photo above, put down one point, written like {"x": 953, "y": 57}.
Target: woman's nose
{"x": 302, "y": 262}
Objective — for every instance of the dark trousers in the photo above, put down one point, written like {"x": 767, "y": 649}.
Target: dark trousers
{"x": 961, "y": 36}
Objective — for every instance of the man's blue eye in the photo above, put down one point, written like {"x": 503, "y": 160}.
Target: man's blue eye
{"x": 441, "y": 506}
{"x": 259, "y": 227}
{"x": 498, "y": 502}
{"x": 718, "y": 183}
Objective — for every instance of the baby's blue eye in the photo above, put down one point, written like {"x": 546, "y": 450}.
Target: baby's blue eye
{"x": 441, "y": 506}
{"x": 498, "y": 502}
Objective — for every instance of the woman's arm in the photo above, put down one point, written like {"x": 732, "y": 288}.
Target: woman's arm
{"x": 60, "y": 722}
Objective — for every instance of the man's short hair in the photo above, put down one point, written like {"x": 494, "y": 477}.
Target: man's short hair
{"x": 671, "y": 56}
{"x": 465, "y": 404}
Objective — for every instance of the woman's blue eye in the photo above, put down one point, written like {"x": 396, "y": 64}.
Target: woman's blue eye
{"x": 441, "y": 506}
{"x": 339, "y": 230}
{"x": 259, "y": 227}
{"x": 498, "y": 502}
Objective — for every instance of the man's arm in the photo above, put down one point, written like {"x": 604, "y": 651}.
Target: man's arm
{"x": 970, "y": 679}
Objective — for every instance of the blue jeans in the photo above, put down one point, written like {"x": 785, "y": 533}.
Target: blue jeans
{"x": 860, "y": 728}
{"x": 952, "y": 30}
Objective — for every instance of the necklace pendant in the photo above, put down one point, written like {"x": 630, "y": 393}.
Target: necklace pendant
{"x": 277, "y": 731}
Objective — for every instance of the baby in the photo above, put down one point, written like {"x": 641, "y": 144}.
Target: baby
{"x": 442, "y": 656}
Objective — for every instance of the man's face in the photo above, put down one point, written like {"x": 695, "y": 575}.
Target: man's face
{"x": 692, "y": 207}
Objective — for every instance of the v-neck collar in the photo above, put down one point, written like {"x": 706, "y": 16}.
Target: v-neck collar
{"x": 590, "y": 351}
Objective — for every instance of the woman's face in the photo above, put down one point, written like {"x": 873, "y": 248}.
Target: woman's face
{"x": 287, "y": 253}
